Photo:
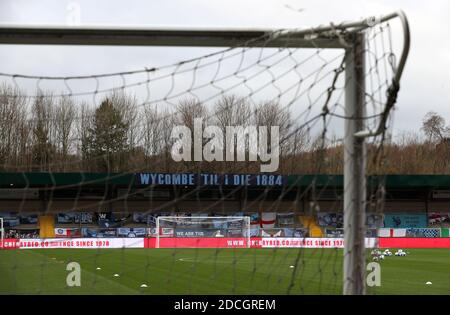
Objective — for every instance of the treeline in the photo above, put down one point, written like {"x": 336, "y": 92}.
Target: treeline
{"x": 60, "y": 134}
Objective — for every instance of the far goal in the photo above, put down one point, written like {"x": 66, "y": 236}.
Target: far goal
{"x": 171, "y": 230}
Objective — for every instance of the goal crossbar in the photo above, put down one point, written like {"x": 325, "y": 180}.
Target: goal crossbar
{"x": 318, "y": 37}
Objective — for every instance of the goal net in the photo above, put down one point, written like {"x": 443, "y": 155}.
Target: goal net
{"x": 190, "y": 135}
{"x": 179, "y": 229}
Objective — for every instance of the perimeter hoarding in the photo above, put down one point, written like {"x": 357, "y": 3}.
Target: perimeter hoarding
{"x": 79, "y": 243}
{"x": 256, "y": 242}
{"x": 219, "y": 242}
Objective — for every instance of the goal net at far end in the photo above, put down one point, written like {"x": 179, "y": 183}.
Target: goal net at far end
{"x": 174, "y": 231}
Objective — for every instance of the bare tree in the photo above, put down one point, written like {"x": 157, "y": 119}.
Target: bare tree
{"x": 187, "y": 111}
{"x": 273, "y": 114}
{"x": 168, "y": 120}
{"x": 83, "y": 125}
{"x": 42, "y": 121}
{"x": 232, "y": 110}
{"x": 153, "y": 131}
{"x": 14, "y": 130}
{"x": 433, "y": 125}
{"x": 126, "y": 104}
{"x": 296, "y": 147}
{"x": 64, "y": 128}
{"x": 43, "y": 132}
{"x": 157, "y": 127}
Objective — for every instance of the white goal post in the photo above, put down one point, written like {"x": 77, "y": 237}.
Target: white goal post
{"x": 203, "y": 226}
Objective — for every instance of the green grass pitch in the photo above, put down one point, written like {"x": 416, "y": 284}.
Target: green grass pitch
{"x": 213, "y": 271}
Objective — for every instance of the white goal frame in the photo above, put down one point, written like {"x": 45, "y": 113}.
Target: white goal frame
{"x": 246, "y": 220}
{"x": 348, "y": 36}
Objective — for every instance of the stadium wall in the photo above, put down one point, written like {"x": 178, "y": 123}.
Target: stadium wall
{"x": 79, "y": 243}
{"x": 90, "y": 243}
{"x": 226, "y": 206}
{"x": 96, "y": 205}
{"x": 174, "y": 242}
{"x": 410, "y": 206}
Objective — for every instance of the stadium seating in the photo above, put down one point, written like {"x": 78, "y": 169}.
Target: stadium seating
{"x": 268, "y": 224}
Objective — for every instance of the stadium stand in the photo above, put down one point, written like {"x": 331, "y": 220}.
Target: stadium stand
{"x": 100, "y": 205}
{"x": 273, "y": 224}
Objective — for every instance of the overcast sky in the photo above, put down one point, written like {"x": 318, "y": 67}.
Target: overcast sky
{"x": 425, "y": 85}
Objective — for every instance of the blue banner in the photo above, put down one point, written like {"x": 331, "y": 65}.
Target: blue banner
{"x": 10, "y": 219}
{"x": 91, "y": 232}
{"x": 28, "y": 219}
{"x": 146, "y": 179}
{"x": 132, "y": 232}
